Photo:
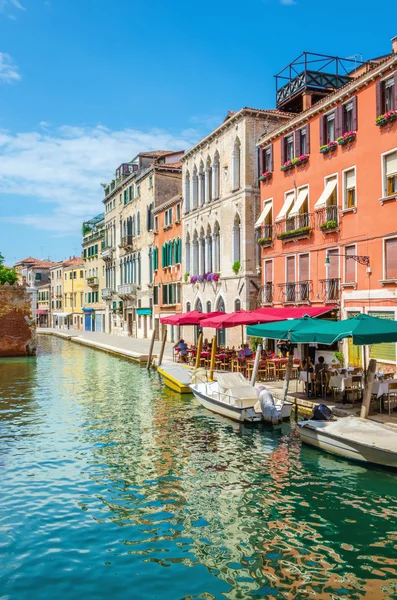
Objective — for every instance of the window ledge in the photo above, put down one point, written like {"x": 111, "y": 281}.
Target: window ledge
{"x": 349, "y": 284}
{"x": 387, "y": 281}
{"x": 344, "y": 211}
{"x": 387, "y": 199}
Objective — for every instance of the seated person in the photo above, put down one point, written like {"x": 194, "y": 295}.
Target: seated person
{"x": 183, "y": 351}
{"x": 247, "y": 351}
{"x": 321, "y": 366}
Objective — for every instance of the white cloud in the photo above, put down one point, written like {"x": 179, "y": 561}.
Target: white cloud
{"x": 8, "y": 70}
{"x": 61, "y": 169}
{"x": 287, "y": 2}
{"x": 17, "y": 4}
{"x": 7, "y": 5}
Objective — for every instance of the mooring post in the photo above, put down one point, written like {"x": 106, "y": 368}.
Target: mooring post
{"x": 163, "y": 345}
{"x": 368, "y": 389}
{"x": 149, "y": 358}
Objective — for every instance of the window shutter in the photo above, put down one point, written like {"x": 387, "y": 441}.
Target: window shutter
{"x": 379, "y": 91}
{"x": 354, "y": 113}
{"x": 322, "y": 131}
{"x": 297, "y": 139}
{"x": 282, "y": 142}
{"x": 271, "y": 158}
{"x": 395, "y": 90}
{"x": 308, "y": 138}
{"x": 147, "y": 218}
{"x": 260, "y": 158}
{"x": 338, "y": 121}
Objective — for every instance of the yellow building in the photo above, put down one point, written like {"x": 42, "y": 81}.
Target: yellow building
{"x": 94, "y": 306}
{"x": 73, "y": 295}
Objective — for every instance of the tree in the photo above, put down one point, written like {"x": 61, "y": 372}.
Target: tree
{"x": 7, "y": 275}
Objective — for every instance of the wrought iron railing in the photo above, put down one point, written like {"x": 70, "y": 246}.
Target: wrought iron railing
{"x": 298, "y": 225}
{"x": 127, "y": 289}
{"x": 92, "y": 281}
{"x": 127, "y": 241}
{"x": 330, "y": 289}
{"x": 328, "y": 218}
{"x": 266, "y": 294}
{"x": 295, "y": 292}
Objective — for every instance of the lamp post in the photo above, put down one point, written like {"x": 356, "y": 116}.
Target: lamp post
{"x": 361, "y": 260}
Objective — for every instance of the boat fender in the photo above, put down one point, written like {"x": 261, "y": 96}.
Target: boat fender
{"x": 268, "y": 408}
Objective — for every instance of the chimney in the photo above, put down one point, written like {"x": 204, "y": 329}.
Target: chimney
{"x": 394, "y": 44}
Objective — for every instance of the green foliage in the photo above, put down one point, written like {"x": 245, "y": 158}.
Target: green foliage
{"x": 236, "y": 266}
{"x": 186, "y": 277}
{"x": 331, "y": 224}
{"x": 340, "y": 357}
{"x": 85, "y": 229}
{"x": 264, "y": 240}
{"x": 294, "y": 232}
{"x": 7, "y": 275}
{"x": 255, "y": 341}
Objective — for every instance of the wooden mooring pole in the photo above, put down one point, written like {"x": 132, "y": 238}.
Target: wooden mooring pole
{"x": 149, "y": 358}
{"x": 163, "y": 345}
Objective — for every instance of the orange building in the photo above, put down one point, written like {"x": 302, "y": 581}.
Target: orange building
{"x": 166, "y": 260}
{"x": 327, "y": 232}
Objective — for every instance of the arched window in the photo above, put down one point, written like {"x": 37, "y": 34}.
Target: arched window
{"x": 195, "y": 187}
{"x": 208, "y": 180}
{"x": 139, "y": 269}
{"x": 202, "y": 266}
{"x": 188, "y": 307}
{"x": 187, "y": 254}
{"x": 134, "y": 270}
{"x": 133, "y": 227}
{"x": 208, "y": 241}
{"x": 216, "y": 177}
{"x": 121, "y": 273}
{"x": 201, "y": 184}
{"x": 236, "y": 239}
{"x": 199, "y": 306}
{"x": 150, "y": 265}
{"x": 208, "y": 306}
{"x": 236, "y": 166}
{"x": 237, "y": 304}
{"x": 216, "y": 249}
{"x": 138, "y": 223}
{"x": 195, "y": 254}
{"x": 187, "y": 192}
{"x": 221, "y": 335}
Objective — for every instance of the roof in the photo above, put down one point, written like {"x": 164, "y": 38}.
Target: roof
{"x": 45, "y": 285}
{"x": 28, "y": 260}
{"x": 233, "y": 116}
{"x": 176, "y": 165}
{"x": 166, "y": 204}
{"x": 73, "y": 262}
{"x": 344, "y": 91}
{"x": 159, "y": 153}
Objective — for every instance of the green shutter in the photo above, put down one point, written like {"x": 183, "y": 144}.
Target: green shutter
{"x": 85, "y": 252}
{"x": 385, "y": 351}
{"x": 163, "y": 256}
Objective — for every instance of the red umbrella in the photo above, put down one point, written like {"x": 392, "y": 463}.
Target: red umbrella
{"x": 240, "y": 317}
{"x": 194, "y": 317}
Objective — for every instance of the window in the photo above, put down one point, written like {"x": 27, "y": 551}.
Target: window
{"x": 350, "y": 265}
{"x": 330, "y": 128}
{"x": 138, "y": 190}
{"x": 81, "y": 274}
{"x": 208, "y": 306}
{"x": 38, "y": 276}
{"x": 390, "y": 260}
{"x": 156, "y": 295}
{"x": 237, "y": 304}
{"x": 289, "y": 148}
{"x": 74, "y": 274}
{"x": 156, "y": 223}
{"x": 267, "y": 159}
{"x": 236, "y": 162}
{"x": 385, "y": 95}
{"x": 390, "y": 170}
{"x": 150, "y": 181}
{"x": 126, "y": 196}
{"x": 178, "y": 212}
{"x": 188, "y": 307}
{"x": 349, "y": 188}
{"x": 386, "y": 351}
{"x": 168, "y": 217}
{"x": 70, "y": 274}
{"x": 348, "y": 117}
{"x": 302, "y": 142}
{"x": 66, "y": 275}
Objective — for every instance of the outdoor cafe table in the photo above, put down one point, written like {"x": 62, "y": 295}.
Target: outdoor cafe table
{"x": 382, "y": 387}
{"x": 340, "y": 381}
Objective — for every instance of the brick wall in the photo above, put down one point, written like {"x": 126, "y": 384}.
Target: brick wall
{"x": 17, "y": 338}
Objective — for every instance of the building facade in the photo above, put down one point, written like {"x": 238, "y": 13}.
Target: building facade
{"x": 167, "y": 263}
{"x": 130, "y": 199}
{"x": 220, "y": 207}
{"x": 327, "y": 230}
{"x": 43, "y": 311}
{"x": 33, "y": 273}
{"x": 73, "y": 295}
{"x": 94, "y": 276}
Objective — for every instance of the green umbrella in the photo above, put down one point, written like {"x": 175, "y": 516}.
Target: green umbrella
{"x": 363, "y": 329}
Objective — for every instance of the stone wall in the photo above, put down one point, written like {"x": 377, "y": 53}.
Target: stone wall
{"x": 17, "y": 337}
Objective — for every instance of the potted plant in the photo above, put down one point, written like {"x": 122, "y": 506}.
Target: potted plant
{"x": 331, "y": 224}
{"x": 236, "y": 267}
{"x": 347, "y": 138}
{"x": 266, "y": 175}
{"x": 301, "y": 160}
{"x": 263, "y": 241}
{"x": 295, "y": 232}
{"x": 330, "y": 147}
{"x": 386, "y": 118}
{"x": 289, "y": 164}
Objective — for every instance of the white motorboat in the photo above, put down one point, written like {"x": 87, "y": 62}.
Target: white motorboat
{"x": 354, "y": 438}
{"x": 231, "y": 395}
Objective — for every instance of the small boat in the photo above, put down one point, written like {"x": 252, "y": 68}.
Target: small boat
{"x": 231, "y": 395}
{"x": 176, "y": 377}
{"x": 353, "y": 438}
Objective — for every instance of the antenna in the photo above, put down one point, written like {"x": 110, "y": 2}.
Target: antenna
{"x": 357, "y": 58}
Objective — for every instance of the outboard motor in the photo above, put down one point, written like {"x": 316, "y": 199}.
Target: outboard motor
{"x": 268, "y": 409}
{"x": 322, "y": 412}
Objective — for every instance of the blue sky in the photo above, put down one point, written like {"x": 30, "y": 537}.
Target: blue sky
{"x": 87, "y": 84}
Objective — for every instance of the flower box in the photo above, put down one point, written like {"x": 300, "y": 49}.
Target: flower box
{"x": 301, "y": 160}
{"x": 386, "y": 118}
{"x": 265, "y": 176}
{"x": 347, "y": 138}
{"x": 329, "y": 225}
{"x": 288, "y": 165}
{"x": 294, "y": 233}
{"x": 265, "y": 241}
{"x": 204, "y": 277}
{"x": 330, "y": 147}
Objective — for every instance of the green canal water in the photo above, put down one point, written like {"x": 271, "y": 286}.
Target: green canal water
{"x": 114, "y": 487}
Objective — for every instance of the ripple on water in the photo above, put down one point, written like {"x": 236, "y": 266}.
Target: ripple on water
{"x": 114, "y": 486}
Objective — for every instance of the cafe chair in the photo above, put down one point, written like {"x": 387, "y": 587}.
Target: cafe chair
{"x": 355, "y": 389}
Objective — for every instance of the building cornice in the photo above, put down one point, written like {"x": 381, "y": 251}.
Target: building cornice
{"x": 167, "y": 204}
{"x": 326, "y": 103}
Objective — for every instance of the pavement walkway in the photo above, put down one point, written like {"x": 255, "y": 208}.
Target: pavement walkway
{"x": 133, "y": 348}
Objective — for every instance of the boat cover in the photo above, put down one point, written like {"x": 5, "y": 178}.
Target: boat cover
{"x": 229, "y": 380}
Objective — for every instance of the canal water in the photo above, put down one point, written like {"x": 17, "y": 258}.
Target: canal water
{"x": 114, "y": 487}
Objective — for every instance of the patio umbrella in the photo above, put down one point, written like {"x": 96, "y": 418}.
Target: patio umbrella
{"x": 239, "y": 317}
{"x": 194, "y": 317}
{"x": 295, "y": 330}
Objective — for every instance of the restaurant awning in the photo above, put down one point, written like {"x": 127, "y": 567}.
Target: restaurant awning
{"x": 62, "y": 314}
{"x": 41, "y": 311}
{"x": 302, "y": 196}
{"x": 289, "y": 199}
{"x": 88, "y": 310}
{"x": 266, "y": 210}
{"x": 143, "y": 311}
{"x": 193, "y": 317}
{"x": 326, "y": 193}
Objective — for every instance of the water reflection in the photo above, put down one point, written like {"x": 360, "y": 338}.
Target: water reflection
{"x": 131, "y": 487}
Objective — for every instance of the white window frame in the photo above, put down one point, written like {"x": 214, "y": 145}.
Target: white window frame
{"x": 285, "y": 267}
{"x": 337, "y": 248}
{"x": 344, "y": 282}
{"x": 345, "y": 208}
{"x": 298, "y": 266}
{"x": 300, "y": 135}
{"x": 268, "y": 260}
{"x": 287, "y": 139}
{"x": 383, "y": 170}
{"x": 332, "y": 176}
{"x": 389, "y": 237}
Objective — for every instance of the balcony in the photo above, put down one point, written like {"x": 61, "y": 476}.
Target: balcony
{"x": 297, "y": 227}
{"x": 266, "y": 294}
{"x": 106, "y": 251}
{"x": 267, "y": 236}
{"x": 127, "y": 241}
{"x": 330, "y": 289}
{"x": 328, "y": 218}
{"x": 295, "y": 292}
{"x": 127, "y": 290}
{"x": 93, "y": 281}
{"x": 107, "y": 293}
